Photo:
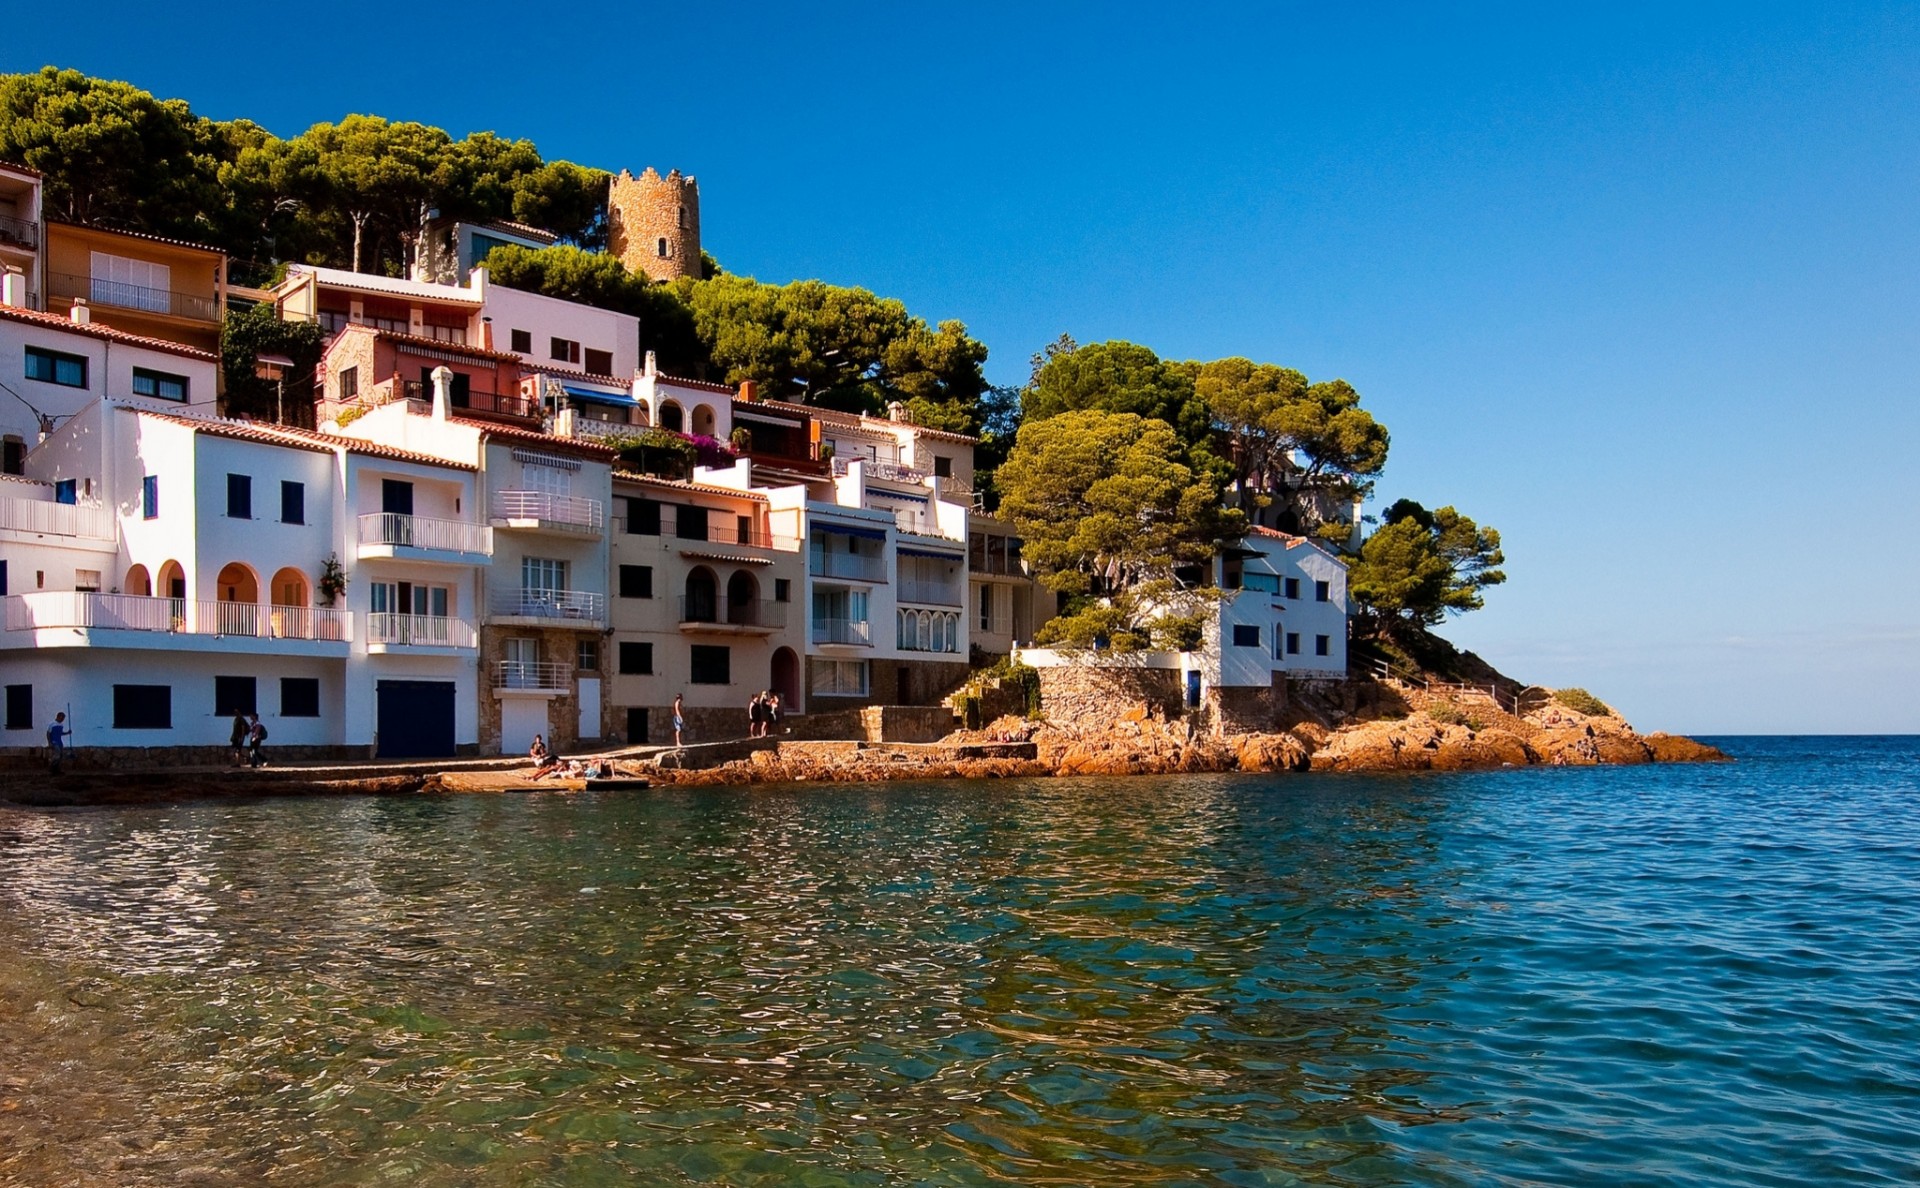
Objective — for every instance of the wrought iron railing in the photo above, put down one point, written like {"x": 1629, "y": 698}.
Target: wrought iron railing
{"x": 24, "y": 232}
{"x": 121, "y": 295}
{"x": 744, "y": 612}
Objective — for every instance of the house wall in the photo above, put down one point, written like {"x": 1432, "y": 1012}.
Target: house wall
{"x": 198, "y": 274}
{"x": 547, "y": 318}
{"x": 109, "y": 373}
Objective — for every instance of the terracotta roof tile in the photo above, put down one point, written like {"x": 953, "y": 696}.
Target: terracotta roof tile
{"x": 571, "y": 445}
{"x": 295, "y": 438}
{"x": 458, "y": 348}
{"x": 180, "y": 243}
{"x": 684, "y": 382}
{"x": 55, "y": 321}
{"x": 627, "y": 476}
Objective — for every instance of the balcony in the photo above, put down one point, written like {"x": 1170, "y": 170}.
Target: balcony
{"x": 419, "y": 538}
{"x": 150, "y": 622}
{"x": 857, "y": 632}
{"x": 532, "y": 676}
{"x": 726, "y": 616}
{"x": 888, "y": 472}
{"x": 541, "y": 511}
{"x": 930, "y": 631}
{"x": 20, "y": 232}
{"x": 857, "y": 566}
{"x": 170, "y": 303}
{"x": 925, "y": 593}
{"x": 55, "y": 519}
{"x": 548, "y": 608}
{"x": 496, "y": 405}
{"x": 387, "y": 631}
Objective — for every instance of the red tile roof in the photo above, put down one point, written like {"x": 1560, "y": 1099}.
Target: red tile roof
{"x": 457, "y": 348}
{"x": 53, "y": 321}
{"x": 627, "y": 476}
{"x": 15, "y": 165}
{"x": 295, "y": 438}
{"x": 179, "y": 243}
{"x": 588, "y": 449}
{"x": 539, "y": 368}
{"x": 684, "y": 382}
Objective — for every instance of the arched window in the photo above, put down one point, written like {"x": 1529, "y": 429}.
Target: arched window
{"x": 683, "y": 216}
{"x": 660, "y": 246}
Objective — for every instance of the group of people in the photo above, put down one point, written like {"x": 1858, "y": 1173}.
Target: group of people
{"x": 248, "y": 734}
{"x": 548, "y": 763}
{"x": 763, "y": 714}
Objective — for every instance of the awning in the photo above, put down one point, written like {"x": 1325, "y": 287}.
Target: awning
{"x": 849, "y": 530}
{"x": 878, "y": 493}
{"x": 618, "y": 399}
{"x": 735, "y": 558}
{"x": 956, "y": 557}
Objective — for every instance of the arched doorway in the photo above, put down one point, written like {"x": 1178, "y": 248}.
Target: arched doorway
{"x": 743, "y": 598}
{"x": 138, "y": 582}
{"x": 172, "y": 585}
{"x": 671, "y": 417}
{"x": 290, "y": 616}
{"x": 702, "y": 603}
{"x": 237, "y": 594}
{"x": 786, "y": 679}
{"x": 703, "y": 419}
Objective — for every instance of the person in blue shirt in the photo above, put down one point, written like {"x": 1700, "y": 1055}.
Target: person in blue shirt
{"x": 57, "y": 742}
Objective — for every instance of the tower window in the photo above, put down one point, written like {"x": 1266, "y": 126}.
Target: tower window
{"x": 683, "y": 216}
{"x": 660, "y": 245}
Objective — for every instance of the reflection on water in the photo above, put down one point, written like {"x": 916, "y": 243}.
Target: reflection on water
{"x": 1562, "y": 977}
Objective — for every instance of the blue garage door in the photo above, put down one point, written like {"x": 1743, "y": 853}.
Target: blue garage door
{"x": 415, "y": 719}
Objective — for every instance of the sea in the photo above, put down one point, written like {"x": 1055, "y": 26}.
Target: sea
{"x": 1698, "y": 975}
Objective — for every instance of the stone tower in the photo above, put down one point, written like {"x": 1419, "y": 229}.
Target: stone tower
{"x": 653, "y": 224}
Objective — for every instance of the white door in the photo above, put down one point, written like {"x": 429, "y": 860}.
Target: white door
{"x": 589, "y": 707}
{"x": 520, "y": 719}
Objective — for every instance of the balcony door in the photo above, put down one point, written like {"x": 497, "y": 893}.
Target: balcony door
{"x": 396, "y": 497}
{"x": 409, "y": 612}
{"x": 459, "y": 392}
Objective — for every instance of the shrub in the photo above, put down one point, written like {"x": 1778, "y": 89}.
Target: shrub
{"x": 1582, "y": 702}
{"x": 1446, "y": 713}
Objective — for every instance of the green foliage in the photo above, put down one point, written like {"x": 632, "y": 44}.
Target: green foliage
{"x": 1103, "y": 500}
{"x": 655, "y": 451}
{"x": 1446, "y": 713}
{"x": 1420, "y": 566}
{"x": 1117, "y": 377}
{"x": 1095, "y": 624}
{"x": 333, "y": 580}
{"x": 256, "y": 331}
{"x": 1582, "y": 702}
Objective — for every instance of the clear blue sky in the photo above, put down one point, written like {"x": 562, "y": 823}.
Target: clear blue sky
{"x": 1636, "y": 285}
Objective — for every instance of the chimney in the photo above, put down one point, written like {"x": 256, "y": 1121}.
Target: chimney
{"x": 13, "y": 290}
{"x": 486, "y": 334}
{"x": 81, "y": 313}
{"x": 747, "y": 391}
{"x": 653, "y": 366}
{"x": 897, "y": 412}
{"x": 442, "y": 392}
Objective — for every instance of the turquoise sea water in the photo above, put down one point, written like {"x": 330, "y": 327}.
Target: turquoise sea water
{"x": 1676, "y": 975}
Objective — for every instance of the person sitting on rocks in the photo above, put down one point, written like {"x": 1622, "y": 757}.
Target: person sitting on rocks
{"x": 538, "y": 751}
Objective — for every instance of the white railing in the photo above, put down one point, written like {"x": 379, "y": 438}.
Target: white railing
{"x": 386, "y": 627}
{"x": 929, "y": 631}
{"x": 549, "y": 604}
{"x": 572, "y": 511}
{"x": 543, "y": 675}
{"x": 930, "y": 593}
{"x": 420, "y": 532}
{"x": 588, "y": 427}
{"x": 893, "y": 472}
{"x": 843, "y": 631}
{"x": 55, "y": 519}
{"x": 184, "y": 616}
{"x": 828, "y": 564}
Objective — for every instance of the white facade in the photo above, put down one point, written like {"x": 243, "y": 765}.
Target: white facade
{"x": 549, "y": 332}
{"x": 1285, "y": 612}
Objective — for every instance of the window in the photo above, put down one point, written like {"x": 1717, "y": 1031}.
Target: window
{"x": 66, "y": 491}
{"x": 239, "y": 497}
{"x": 349, "y": 383}
{"x": 522, "y": 341}
{"x": 299, "y": 697}
{"x": 233, "y": 695}
{"x": 1322, "y": 592}
{"x": 293, "y": 502}
{"x": 636, "y": 659}
{"x": 586, "y": 655}
{"x": 986, "y": 608}
{"x": 86, "y": 581}
{"x": 1293, "y": 643}
{"x": 636, "y": 581}
{"x": 13, "y": 455}
{"x": 131, "y": 284}
{"x": 19, "y": 707}
{"x": 150, "y": 497}
{"x": 782, "y": 590}
{"x": 543, "y": 573}
{"x": 1323, "y": 645}
{"x": 683, "y": 216}
{"x": 660, "y": 247}
{"x": 837, "y": 678}
{"x": 563, "y": 350}
{"x": 712, "y": 664}
{"x": 53, "y": 367}
{"x": 690, "y": 523}
{"x": 1293, "y": 588}
{"x": 942, "y": 467}
{"x": 160, "y": 385}
{"x": 743, "y": 530}
{"x": 599, "y": 362}
{"x": 3, "y": 579}
{"x": 1246, "y": 635}
{"x": 143, "y": 707}
{"x": 643, "y": 517}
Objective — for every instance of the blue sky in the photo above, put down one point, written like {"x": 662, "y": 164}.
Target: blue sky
{"x": 1636, "y": 285}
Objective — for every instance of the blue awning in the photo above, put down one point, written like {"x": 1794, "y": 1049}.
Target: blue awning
{"x": 955, "y": 557}
{"x": 619, "y": 399}
{"x": 848, "y": 530}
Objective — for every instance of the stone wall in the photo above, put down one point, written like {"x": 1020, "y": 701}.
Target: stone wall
{"x": 1246, "y": 710}
{"x": 643, "y": 210}
{"x": 928, "y": 683}
{"x": 1085, "y": 694}
{"x": 557, "y": 645}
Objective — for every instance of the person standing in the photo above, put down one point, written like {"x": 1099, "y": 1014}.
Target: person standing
{"x": 757, "y": 716}
{"x": 57, "y": 742}
{"x": 679, "y": 719}
{"x": 773, "y": 714}
{"x": 256, "y": 734}
{"x": 238, "y": 736}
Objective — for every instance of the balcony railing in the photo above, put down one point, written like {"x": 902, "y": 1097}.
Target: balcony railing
{"x": 541, "y": 675}
{"x": 549, "y": 604}
{"x": 926, "y": 593}
{"x": 745, "y": 612}
{"x": 181, "y": 616}
{"x": 929, "y": 631}
{"x": 830, "y": 564}
{"x": 120, "y": 295}
{"x": 55, "y": 519}
{"x": 24, "y": 232}
{"x": 431, "y": 631}
{"x": 843, "y": 631}
{"x": 498, "y": 404}
{"x": 566, "y": 511}
{"x": 421, "y": 532}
